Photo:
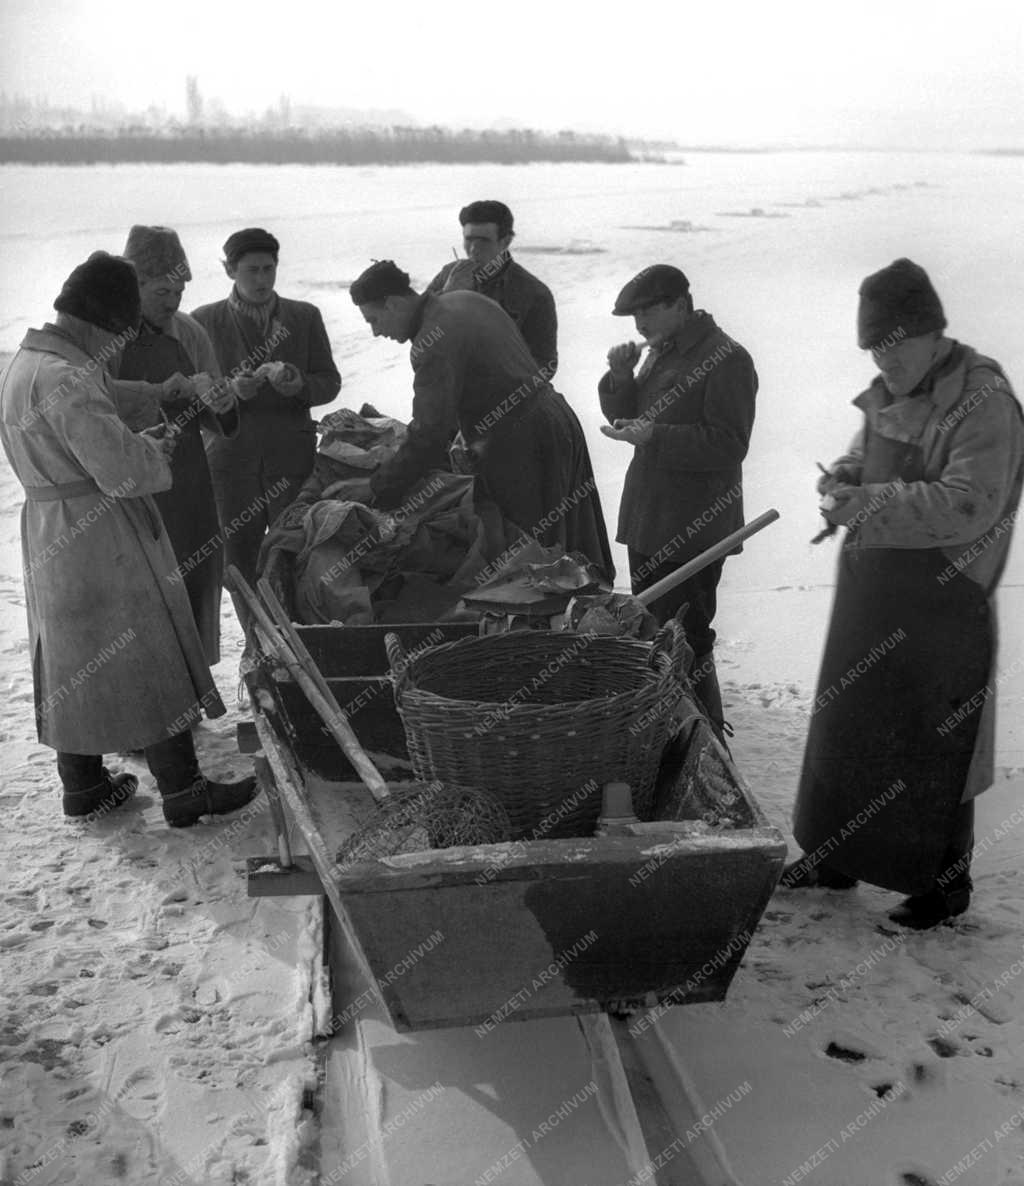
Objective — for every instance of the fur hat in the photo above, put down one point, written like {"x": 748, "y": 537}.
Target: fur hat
{"x": 899, "y": 300}
{"x": 253, "y": 238}
{"x": 157, "y": 251}
{"x": 383, "y": 278}
{"x": 104, "y": 291}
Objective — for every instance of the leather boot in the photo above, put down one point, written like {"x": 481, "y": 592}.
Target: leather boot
{"x": 951, "y": 894}
{"x": 184, "y": 808}
{"x": 107, "y": 795}
{"x": 187, "y": 795}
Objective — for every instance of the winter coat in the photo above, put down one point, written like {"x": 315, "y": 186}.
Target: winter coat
{"x": 188, "y": 509}
{"x": 117, "y": 663}
{"x": 527, "y": 300}
{"x": 472, "y": 372}
{"x": 277, "y": 429}
{"x": 970, "y": 431}
{"x": 684, "y": 488}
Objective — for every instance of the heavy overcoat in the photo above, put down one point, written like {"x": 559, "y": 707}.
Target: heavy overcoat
{"x": 188, "y": 508}
{"x": 116, "y": 660}
{"x": 970, "y": 432}
{"x": 684, "y": 489}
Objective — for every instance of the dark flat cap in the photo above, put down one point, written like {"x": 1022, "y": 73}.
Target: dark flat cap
{"x": 898, "y": 302}
{"x": 253, "y": 238}
{"x": 104, "y": 291}
{"x": 661, "y": 282}
{"x": 488, "y": 211}
{"x": 383, "y": 278}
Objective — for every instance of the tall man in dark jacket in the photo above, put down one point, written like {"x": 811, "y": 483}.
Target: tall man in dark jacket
{"x": 473, "y": 373}
{"x": 278, "y": 356}
{"x": 489, "y": 268}
{"x": 688, "y": 412}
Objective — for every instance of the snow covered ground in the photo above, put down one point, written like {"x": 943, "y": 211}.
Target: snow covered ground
{"x": 155, "y": 1023}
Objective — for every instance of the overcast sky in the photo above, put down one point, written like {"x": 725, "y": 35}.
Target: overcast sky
{"x": 893, "y": 73}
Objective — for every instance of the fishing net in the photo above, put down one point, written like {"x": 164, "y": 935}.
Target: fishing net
{"x": 428, "y": 815}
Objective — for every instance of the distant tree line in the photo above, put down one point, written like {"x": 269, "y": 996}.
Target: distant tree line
{"x": 294, "y": 146}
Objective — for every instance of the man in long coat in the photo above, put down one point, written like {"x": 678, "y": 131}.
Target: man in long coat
{"x": 278, "y": 357}
{"x": 902, "y": 729}
{"x": 688, "y": 411}
{"x": 116, "y": 660}
{"x": 487, "y": 233}
{"x": 473, "y": 373}
{"x": 157, "y": 373}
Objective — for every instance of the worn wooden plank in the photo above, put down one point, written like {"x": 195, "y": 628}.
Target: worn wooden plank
{"x": 293, "y": 794}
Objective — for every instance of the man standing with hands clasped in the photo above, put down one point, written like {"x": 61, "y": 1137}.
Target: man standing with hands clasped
{"x": 688, "y": 413}
{"x": 277, "y": 354}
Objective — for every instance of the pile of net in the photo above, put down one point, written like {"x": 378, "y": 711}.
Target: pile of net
{"x": 424, "y": 816}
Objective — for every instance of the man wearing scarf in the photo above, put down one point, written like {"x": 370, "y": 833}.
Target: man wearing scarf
{"x": 117, "y": 663}
{"x": 473, "y": 373}
{"x": 278, "y": 357}
{"x": 170, "y": 370}
{"x": 902, "y": 730}
{"x": 489, "y": 268}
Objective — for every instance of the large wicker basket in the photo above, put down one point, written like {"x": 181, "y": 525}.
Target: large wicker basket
{"x": 541, "y": 719}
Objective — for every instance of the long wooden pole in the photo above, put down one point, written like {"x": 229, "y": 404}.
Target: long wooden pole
{"x": 327, "y": 707}
{"x": 698, "y": 563}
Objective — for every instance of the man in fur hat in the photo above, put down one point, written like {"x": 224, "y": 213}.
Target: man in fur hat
{"x": 117, "y": 663}
{"x": 902, "y": 730}
{"x": 278, "y": 357}
{"x": 489, "y": 268}
{"x": 473, "y": 373}
{"x": 169, "y": 369}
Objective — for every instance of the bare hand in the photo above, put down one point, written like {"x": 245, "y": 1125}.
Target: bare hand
{"x": 176, "y": 387}
{"x": 246, "y": 386}
{"x": 622, "y": 359}
{"x": 165, "y": 437}
{"x": 217, "y": 396}
{"x": 633, "y": 432}
{"x": 844, "y": 505}
{"x": 287, "y": 380}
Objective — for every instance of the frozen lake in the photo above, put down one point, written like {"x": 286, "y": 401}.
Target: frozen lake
{"x": 784, "y": 283}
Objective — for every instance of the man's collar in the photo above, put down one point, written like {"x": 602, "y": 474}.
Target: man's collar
{"x": 489, "y": 272}
{"x": 697, "y": 325}
{"x": 942, "y": 386}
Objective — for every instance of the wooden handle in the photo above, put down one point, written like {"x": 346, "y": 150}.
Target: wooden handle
{"x": 698, "y": 563}
{"x": 326, "y": 706}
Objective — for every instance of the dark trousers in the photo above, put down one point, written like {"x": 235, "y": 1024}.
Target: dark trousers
{"x": 956, "y": 864}
{"x": 693, "y": 603}
{"x": 172, "y": 763}
{"x": 249, "y": 499}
